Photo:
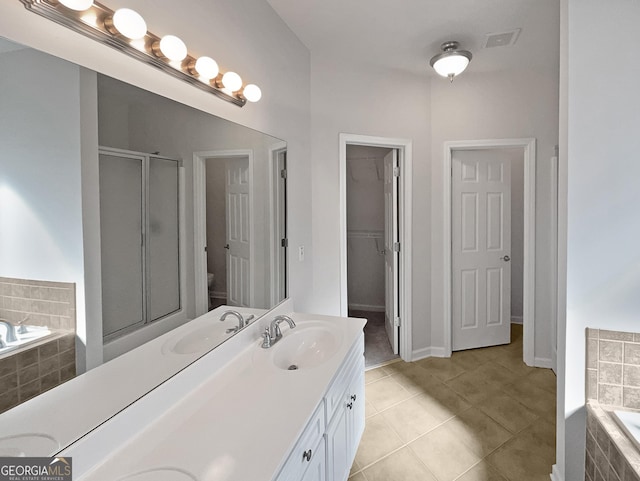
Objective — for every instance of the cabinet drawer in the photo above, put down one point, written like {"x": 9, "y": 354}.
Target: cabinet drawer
{"x": 306, "y": 448}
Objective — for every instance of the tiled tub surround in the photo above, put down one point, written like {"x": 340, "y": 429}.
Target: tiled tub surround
{"x": 37, "y": 369}
{"x": 610, "y": 455}
{"x": 613, "y": 368}
{"x": 42, "y": 303}
{"x": 44, "y": 364}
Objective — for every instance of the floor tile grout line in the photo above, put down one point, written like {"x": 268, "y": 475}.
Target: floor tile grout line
{"x": 406, "y": 444}
{"x": 502, "y": 389}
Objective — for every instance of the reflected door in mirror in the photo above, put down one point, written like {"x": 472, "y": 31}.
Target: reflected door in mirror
{"x": 139, "y": 239}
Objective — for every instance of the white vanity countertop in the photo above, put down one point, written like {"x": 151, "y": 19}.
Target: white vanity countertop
{"x": 85, "y": 400}
{"x": 240, "y": 423}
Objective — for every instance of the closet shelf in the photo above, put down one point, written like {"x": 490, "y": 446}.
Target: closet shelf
{"x": 367, "y": 234}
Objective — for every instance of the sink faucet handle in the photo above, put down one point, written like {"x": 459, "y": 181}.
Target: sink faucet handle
{"x": 266, "y": 339}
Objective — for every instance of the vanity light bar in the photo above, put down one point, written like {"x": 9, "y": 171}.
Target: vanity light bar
{"x": 168, "y": 53}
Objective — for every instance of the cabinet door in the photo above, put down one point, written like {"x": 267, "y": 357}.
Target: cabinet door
{"x": 355, "y": 414}
{"x": 317, "y": 470}
{"x": 339, "y": 456}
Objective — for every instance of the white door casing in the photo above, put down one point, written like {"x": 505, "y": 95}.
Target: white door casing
{"x": 481, "y": 249}
{"x": 391, "y": 253}
{"x": 405, "y": 160}
{"x": 238, "y": 207}
{"x": 529, "y": 290}
{"x": 200, "y": 220}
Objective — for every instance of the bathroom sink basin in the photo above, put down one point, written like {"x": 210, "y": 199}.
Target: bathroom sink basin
{"x": 306, "y": 347}
{"x": 31, "y": 444}
{"x": 160, "y": 474}
{"x": 198, "y": 340}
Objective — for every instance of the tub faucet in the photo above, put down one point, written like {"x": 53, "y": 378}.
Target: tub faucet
{"x": 241, "y": 320}
{"x": 273, "y": 334}
{"x": 11, "y": 331}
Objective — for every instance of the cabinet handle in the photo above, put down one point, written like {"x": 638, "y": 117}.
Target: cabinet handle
{"x": 350, "y": 405}
{"x": 307, "y": 455}
{"x": 354, "y": 397}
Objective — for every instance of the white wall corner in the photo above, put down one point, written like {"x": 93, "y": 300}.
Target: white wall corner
{"x": 426, "y": 352}
{"x": 555, "y": 474}
{"x": 544, "y": 362}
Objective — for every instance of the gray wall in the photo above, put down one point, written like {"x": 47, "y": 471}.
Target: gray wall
{"x": 365, "y": 214}
{"x": 599, "y": 172}
{"x": 244, "y": 35}
{"x": 499, "y": 106}
{"x": 41, "y": 230}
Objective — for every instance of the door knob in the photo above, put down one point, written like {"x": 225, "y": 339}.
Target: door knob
{"x": 226, "y": 246}
{"x": 506, "y": 258}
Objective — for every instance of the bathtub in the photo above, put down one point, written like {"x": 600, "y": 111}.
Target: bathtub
{"x": 630, "y": 423}
{"x": 31, "y": 335}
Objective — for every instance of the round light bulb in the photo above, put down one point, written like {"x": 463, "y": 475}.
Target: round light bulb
{"x": 232, "y": 81}
{"x": 207, "y": 68}
{"x": 129, "y": 23}
{"x": 173, "y": 48}
{"x": 252, "y": 93}
{"x": 79, "y": 5}
{"x": 451, "y": 66}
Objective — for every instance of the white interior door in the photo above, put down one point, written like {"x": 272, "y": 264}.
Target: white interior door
{"x": 391, "y": 248}
{"x": 238, "y": 205}
{"x": 481, "y": 242}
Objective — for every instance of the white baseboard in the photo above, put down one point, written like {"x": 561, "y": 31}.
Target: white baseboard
{"x": 544, "y": 362}
{"x": 426, "y": 352}
{"x": 366, "y": 307}
{"x": 516, "y": 320}
{"x": 555, "y": 474}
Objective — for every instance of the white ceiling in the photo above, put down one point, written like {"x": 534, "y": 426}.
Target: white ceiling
{"x": 404, "y": 34}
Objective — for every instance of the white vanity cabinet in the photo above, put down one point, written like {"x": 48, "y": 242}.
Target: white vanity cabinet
{"x": 346, "y": 425}
{"x": 327, "y": 447}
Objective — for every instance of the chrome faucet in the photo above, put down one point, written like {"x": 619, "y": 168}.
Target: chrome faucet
{"x": 241, "y": 320}
{"x": 11, "y": 331}
{"x": 273, "y": 334}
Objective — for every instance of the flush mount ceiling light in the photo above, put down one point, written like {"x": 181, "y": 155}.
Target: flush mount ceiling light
{"x": 126, "y": 30}
{"x": 451, "y": 62}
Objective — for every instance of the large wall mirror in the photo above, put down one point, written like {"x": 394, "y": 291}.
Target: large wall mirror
{"x": 125, "y": 219}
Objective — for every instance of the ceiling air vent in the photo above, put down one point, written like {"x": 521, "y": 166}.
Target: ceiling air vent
{"x": 501, "y": 39}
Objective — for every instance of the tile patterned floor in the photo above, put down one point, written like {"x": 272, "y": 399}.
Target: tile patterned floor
{"x": 482, "y": 415}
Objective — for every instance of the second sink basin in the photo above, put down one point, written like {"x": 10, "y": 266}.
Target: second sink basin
{"x": 306, "y": 347}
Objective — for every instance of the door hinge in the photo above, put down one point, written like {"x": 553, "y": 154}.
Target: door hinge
{"x": 396, "y": 171}
{"x": 284, "y": 243}
{"x": 396, "y": 322}
{"x": 396, "y": 247}
{"x": 283, "y": 173}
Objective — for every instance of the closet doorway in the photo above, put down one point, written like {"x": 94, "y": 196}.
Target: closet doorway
{"x": 374, "y": 210}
